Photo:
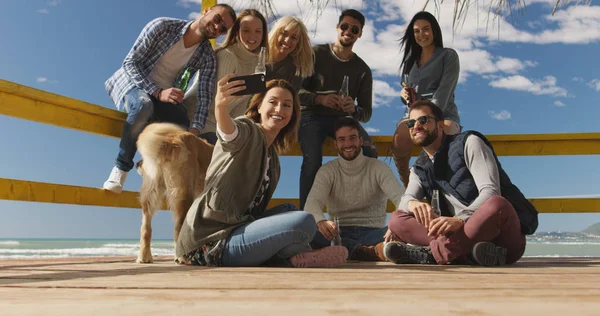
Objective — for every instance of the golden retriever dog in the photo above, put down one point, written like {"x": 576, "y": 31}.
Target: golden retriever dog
{"x": 173, "y": 165}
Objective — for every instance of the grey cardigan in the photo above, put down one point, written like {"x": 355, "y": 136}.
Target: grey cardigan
{"x": 437, "y": 79}
{"x": 232, "y": 181}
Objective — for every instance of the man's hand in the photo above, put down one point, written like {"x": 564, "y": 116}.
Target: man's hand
{"x": 171, "y": 95}
{"x": 348, "y": 104}
{"x": 389, "y": 236}
{"x": 333, "y": 101}
{"x": 194, "y": 131}
{"x": 443, "y": 225}
{"x": 422, "y": 211}
{"x": 327, "y": 228}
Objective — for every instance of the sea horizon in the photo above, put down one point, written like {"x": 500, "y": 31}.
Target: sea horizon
{"x": 543, "y": 244}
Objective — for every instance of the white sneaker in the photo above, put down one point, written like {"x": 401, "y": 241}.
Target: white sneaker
{"x": 115, "y": 180}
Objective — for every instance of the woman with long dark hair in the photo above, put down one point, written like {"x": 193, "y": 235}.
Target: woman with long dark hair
{"x": 429, "y": 71}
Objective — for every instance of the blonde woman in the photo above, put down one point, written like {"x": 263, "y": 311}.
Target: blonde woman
{"x": 238, "y": 55}
{"x": 290, "y": 53}
{"x": 229, "y": 224}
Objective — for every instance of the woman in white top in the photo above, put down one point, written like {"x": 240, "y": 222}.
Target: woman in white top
{"x": 239, "y": 55}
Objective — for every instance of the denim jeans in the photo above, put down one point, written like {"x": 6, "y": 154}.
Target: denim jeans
{"x": 210, "y": 137}
{"x": 353, "y": 236}
{"x": 142, "y": 109}
{"x": 281, "y": 233}
{"x": 313, "y": 131}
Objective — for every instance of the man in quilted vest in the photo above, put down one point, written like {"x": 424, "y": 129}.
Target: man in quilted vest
{"x": 483, "y": 216}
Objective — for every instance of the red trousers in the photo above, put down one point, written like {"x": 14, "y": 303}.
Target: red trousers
{"x": 496, "y": 221}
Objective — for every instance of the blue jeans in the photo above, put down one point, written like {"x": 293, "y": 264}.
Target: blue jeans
{"x": 353, "y": 236}
{"x": 281, "y": 233}
{"x": 210, "y": 137}
{"x": 143, "y": 109}
{"x": 313, "y": 131}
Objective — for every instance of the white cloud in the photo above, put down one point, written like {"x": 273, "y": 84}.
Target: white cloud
{"x": 371, "y": 130}
{"x": 519, "y": 83}
{"x": 501, "y": 116}
{"x": 473, "y": 38}
{"x": 594, "y": 84}
{"x": 54, "y": 3}
{"x": 559, "y": 103}
{"x": 383, "y": 93}
{"x": 43, "y": 11}
{"x": 578, "y": 79}
{"x": 41, "y": 79}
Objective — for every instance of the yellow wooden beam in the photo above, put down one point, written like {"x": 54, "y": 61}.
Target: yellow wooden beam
{"x": 44, "y": 107}
{"x": 30, "y": 191}
{"x": 40, "y": 106}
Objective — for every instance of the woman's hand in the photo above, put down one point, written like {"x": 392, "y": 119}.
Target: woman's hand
{"x": 404, "y": 93}
{"x": 225, "y": 90}
{"x": 224, "y": 96}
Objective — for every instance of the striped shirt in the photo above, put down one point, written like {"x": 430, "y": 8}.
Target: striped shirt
{"x": 154, "y": 41}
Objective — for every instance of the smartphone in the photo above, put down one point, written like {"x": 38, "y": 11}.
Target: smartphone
{"x": 254, "y": 84}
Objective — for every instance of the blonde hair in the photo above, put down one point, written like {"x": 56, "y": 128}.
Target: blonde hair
{"x": 302, "y": 54}
{"x": 233, "y": 34}
{"x": 289, "y": 134}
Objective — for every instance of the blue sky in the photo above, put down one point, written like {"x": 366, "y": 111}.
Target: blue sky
{"x": 538, "y": 74}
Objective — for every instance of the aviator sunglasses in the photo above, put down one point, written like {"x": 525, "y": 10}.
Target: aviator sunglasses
{"x": 355, "y": 30}
{"x": 422, "y": 120}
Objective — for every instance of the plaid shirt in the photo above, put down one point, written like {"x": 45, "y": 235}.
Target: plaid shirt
{"x": 153, "y": 42}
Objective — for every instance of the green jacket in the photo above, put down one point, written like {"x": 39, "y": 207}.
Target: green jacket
{"x": 233, "y": 179}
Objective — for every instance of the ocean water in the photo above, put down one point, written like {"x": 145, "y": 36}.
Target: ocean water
{"x": 537, "y": 246}
{"x": 65, "y": 248}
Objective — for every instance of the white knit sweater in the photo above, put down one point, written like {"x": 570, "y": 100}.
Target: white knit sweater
{"x": 355, "y": 191}
{"x": 233, "y": 59}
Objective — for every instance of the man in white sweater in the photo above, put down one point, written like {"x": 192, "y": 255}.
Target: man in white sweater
{"x": 355, "y": 189}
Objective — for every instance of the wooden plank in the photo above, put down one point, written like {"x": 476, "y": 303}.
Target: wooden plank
{"x": 30, "y": 191}
{"x": 44, "y": 107}
{"x": 48, "y": 108}
{"x": 121, "y": 287}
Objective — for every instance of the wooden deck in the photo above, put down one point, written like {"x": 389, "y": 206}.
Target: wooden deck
{"x": 118, "y": 286}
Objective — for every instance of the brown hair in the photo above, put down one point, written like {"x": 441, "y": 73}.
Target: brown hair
{"x": 232, "y": 35}
{"x": 289, "y": 134}
{"x": 435, "y": 111}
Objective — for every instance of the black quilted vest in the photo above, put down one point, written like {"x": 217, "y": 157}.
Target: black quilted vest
{"x": 449, "y": 173}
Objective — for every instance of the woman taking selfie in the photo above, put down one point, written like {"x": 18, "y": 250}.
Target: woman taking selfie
{"x": 239, "y": 55}
{"x": 429, "y": 71}
{"x": 229, "y": 225}
{"x": 290, "y": 53}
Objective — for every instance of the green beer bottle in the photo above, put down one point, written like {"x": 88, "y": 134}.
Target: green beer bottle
{"x": 184, "y": 79}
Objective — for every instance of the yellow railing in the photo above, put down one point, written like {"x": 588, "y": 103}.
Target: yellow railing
{"x": 44, "y": 107}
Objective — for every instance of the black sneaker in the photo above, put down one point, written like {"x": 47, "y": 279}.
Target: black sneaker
{"x": 399, "y": 252}
{"x": 487, "y": 254}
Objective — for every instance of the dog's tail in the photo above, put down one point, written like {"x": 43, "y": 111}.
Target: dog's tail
{"x": 158, "y": 143}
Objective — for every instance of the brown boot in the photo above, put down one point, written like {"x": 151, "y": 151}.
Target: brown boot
{"x": 369, "y": 253}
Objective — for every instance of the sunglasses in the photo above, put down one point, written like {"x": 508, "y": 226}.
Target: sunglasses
{"x": 355, "y": 30}
{"x": 422, "y": 120}
{"x": 219, "y": 20}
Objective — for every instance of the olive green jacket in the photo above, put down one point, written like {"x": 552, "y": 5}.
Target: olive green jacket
{"x": 233, "y": 179}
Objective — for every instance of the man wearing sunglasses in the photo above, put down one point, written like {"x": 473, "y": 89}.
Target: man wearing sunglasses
{"x": 484, "y": 216}
{"x": 322, "y": 102}
{"x": 145, "y": 88}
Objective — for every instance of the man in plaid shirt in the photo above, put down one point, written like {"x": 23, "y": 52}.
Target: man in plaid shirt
{"x": 144, "y": 85}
